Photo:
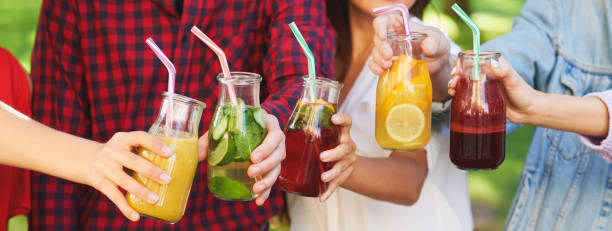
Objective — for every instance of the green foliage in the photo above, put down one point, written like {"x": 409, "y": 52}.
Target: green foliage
{"x": 18, "y": 21}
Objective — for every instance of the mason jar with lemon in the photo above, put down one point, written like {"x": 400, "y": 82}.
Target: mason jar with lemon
{"x": 403, "y": 96}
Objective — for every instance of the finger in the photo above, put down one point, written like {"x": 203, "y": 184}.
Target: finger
{"x": 380, "y": 27}
{"x": 337, "y": 153}
{"x": 330, "y": 189}
{"x": 500, "y": 69}
{"x": 342, "y": 120}
{"x": 140, "y": 165}
{"x": 375, "y": 68}
{"x": 142, "y": 139}
{"x": 273, "y": 139}
{"x": 262, "y": 198}
{"x": 271, "y": 162}
{"x": 377, "y": 61}
{"x": 267, "y": 181}
{"x": 203, "y": 147}
{"x": 119, "y": 200}
{"x": 435, "y": 45}
{"x": 451, "y": 92}
{"x": 386, "y": 55}
{"x": 118, "y": 177}
{"x": 336, "y": 170}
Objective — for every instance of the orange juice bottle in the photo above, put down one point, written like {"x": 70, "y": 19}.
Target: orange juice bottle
{"x": 403, "y": 97}
{"x": 180, "y": 134}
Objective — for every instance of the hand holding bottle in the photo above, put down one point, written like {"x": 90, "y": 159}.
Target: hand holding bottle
{"x": 104, "y": 168}
{"x": 436, "y": 48}
{"x": 343, "y": 155}
{"x": 521, "y": 99}
{"x": 265, "y": 159}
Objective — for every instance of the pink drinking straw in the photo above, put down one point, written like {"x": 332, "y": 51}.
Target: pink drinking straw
{"x": 222, "y": 59}
{"x": 397, "y": 7}
{"x": 171, "y": 77}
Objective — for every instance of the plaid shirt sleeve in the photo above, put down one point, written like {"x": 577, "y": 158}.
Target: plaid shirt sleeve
{"x": 284, "y": 63}
{"x": 57, "y": 101}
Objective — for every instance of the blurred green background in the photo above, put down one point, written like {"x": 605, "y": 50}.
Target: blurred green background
{"x": 491, "y": 191}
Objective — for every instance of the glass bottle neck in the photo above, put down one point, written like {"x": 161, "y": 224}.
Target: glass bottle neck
{"x": 178, "y": 117}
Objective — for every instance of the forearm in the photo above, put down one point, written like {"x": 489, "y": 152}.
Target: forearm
{"x": 28, "y": 144}
{"x": 397, "y": 179}
{"x": 582, "y": 115}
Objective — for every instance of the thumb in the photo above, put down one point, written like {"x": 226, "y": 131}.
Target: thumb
{"x": 503, "y": 71}
{"x": 203, "y": 147}
{"x": 142, "y": 139}
{"x": 385, "y": 23}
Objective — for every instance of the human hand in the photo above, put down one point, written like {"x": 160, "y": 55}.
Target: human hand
{"x": 519, "y": 96}
{"x": 265, "y": 159}
{"x": 343, "y": 155}
{"x": 436, "y": 48}
{"x": 104, "y": 170}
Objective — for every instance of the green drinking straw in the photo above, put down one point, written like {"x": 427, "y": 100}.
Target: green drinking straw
{"x": 310, "y": 57}
{"x": 476, "y": 39}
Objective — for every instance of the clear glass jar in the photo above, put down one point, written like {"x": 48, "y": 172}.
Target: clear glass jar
{"x": 235, "y": 131}
{"x": 403, "y": 96}
{"x": 309, "y": 132}
{"x": 478, "y": 117}
{"x": 182, "y": 137}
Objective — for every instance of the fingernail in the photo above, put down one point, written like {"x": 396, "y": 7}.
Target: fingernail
{"x": 452, "y": 73}
{"x": 165, "y": 178}
{"x": 324, "y": 155}
{"x": 167, "y": 150}
{"x": 494, "y": 63}
{"x": 153, "y": 197}
{"x": 256, "y": 170}
{"x": 260, "y": 187}
{"x": 255, "y": 156}
{"x": 325, "y": 177}
{"x": 135, "y": 216}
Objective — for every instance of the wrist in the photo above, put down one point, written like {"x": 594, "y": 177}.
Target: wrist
{"x": 536, "y": 110}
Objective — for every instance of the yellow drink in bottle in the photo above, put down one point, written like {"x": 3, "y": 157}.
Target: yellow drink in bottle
{"x": 173, "y": 196}
{"x": 177, "y": 128}
{"x": 403, "y": 104}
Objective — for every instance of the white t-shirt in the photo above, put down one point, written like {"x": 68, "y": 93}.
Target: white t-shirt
{"x": 444, "y": 201}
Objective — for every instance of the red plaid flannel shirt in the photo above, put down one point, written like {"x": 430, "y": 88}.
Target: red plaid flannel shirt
{"x": 93, "y": 76}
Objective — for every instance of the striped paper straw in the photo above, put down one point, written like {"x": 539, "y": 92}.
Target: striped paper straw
{"x": 222, "y": 59}
{"x": 310, "y": 57}
{"x": 475, "y": 39}
{"x": 171, "y": 78}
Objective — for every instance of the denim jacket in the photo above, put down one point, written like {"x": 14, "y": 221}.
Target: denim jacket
{"x": 564, "y": 47}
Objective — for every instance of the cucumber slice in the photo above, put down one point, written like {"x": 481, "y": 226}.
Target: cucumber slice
{"x": 221, "y": 127}
{"x": 220, "y": 153}
{"x": 258, "y": 116}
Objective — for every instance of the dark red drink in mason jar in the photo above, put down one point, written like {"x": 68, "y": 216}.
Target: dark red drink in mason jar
{"x": 478, "y": 117}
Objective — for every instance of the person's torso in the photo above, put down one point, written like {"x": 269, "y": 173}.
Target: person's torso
{"x": 564, "y": 185}
{"x": 14, "y": 182}
{"x": 124, "y": 80}
{"x": 444, "y": 201}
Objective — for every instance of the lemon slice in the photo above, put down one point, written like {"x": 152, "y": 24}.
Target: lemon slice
{"x": 405, "y": 122}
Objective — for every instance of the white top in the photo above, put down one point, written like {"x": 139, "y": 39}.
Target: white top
{"x": 444, "y": 202}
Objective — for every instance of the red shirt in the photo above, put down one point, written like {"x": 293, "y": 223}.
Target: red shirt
{"x": 93, "y": 76}
{"x": 14, "y": 182}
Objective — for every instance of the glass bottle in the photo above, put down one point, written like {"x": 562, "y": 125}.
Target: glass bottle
{"x": 403, "y": 96}
{"x": 235, "y": 131}
{"x": 478, "y": 117}
{"x": 309, "y": 132}
{"x": 182, "y": 137}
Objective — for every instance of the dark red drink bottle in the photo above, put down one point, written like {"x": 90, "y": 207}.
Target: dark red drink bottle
{"x": 478, "y": 117}
{"x": 309, "y": 132}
